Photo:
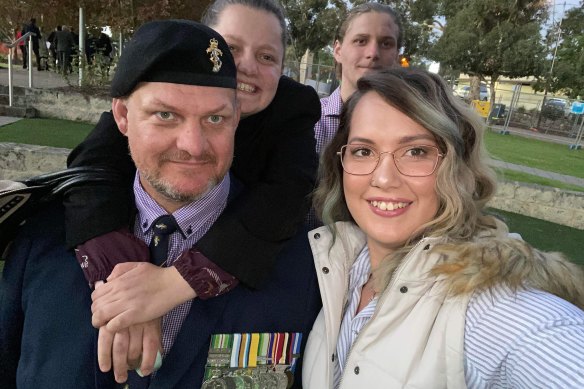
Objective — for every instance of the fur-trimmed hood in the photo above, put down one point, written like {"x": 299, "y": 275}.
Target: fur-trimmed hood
{"x": 494, "y": 257}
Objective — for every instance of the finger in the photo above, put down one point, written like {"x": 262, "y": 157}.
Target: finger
{"x": 120, "y": 355}
{"x": 102, "y": 315}
{"x": 150, "y": 347}
{"x": 124, "y": 320}
{"x": 103, "y": 289}
{"x": 135, "y": 348}
{"x": 121, "y": 268}
{"x": 104, "y": 349}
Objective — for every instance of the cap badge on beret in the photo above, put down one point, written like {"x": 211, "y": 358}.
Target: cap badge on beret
{"x": 215, "y": 54}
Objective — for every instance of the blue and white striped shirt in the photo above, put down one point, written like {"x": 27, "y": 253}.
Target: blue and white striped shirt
{"x": 194, "y": 220}
{"x": 512, "y": 339}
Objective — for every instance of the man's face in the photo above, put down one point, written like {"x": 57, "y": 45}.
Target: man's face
{"x": 180, "y": 136}
{"x": 370, "y": 44}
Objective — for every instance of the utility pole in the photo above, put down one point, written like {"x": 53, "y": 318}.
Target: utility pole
{"x": 558, "y": 34}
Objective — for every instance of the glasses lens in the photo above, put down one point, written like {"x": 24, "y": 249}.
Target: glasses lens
{"x": 416, "y": 160}
{"x": 359, "y": 159}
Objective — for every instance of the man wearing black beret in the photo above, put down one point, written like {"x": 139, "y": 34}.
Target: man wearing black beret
{"x": 174, "y": 99}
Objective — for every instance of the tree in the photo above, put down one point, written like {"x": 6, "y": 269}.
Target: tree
{"x": 567, "y": 74}
{"x": 312, "y": 23}
{"x": 121, "y": 15}
{"x": 492, "y": 38}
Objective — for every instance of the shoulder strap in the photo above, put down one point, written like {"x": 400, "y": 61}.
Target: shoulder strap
{"x": 19, "y": 200}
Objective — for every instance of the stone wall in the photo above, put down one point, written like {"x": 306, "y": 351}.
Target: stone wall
{"x": 18, "y": 161}
{"x": 554, "y": 205}
{"x": 61, "y": 104}
{"x": 551, "y": 204}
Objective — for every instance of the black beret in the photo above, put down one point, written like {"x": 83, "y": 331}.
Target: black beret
{"x": 174, "y": 51}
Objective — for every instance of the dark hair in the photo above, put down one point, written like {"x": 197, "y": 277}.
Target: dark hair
{"x": 363, "y": 9}
{"x": 213, "y": 11}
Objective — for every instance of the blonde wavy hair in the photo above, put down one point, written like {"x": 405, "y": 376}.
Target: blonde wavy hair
{"x": 476, "y": 250}
{"x": 464, "y": 181}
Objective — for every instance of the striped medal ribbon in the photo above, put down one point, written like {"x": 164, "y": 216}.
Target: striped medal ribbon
{"x": 257, "y": 359}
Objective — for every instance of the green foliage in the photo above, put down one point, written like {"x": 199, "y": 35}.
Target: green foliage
{"x": 417, "y": 18}
{"x": 492, "y": 38}
{"x": 312, "y": 23}
{"x": 552, "y": 112}
{"x": 568, "y": 72}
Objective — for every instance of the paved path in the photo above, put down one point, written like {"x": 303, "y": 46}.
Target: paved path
{"x": 538, "y": 172}
{"x": 42, "y": 79}
{"x": 4, "y": 120}
{"x": 539, "y": 135}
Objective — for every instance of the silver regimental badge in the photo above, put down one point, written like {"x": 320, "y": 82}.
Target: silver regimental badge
{"x": 215, "y": 54}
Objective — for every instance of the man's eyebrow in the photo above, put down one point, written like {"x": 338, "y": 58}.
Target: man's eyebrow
{"x": 160, "y": 105}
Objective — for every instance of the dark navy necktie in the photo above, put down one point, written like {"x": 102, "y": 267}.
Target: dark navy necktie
{"x": 162, "y": 227}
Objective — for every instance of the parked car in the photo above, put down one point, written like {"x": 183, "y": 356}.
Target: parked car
{"x": 559, "y": 104}
{"x": 464, "y": 91}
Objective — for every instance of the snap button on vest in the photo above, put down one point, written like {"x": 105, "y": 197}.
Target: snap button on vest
{"x": 325, "y": 270}
{"x": 317, "y": 236}
{"x": 403, "y": 289}
{"x": 356, "y": 370}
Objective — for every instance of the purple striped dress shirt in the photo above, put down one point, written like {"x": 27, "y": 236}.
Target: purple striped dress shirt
{"x": 194, "y": 220}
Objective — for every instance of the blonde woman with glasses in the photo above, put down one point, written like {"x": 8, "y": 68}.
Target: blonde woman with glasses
{"x": 421, "y": 288}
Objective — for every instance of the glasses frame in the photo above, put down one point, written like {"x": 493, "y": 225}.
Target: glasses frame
{"x": 341, "y": 152}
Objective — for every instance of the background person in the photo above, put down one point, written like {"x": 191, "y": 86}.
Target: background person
{"x": 64, "y": 43}
{"x": 36, "y": 34}
{"x": 437, "y": 293}
{"x": 22, "y": 46}
{"x": 369, "y": 39}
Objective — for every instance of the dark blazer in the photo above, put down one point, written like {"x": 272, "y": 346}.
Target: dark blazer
{"x": 45, "y": 317}
{"x": 274, "y": 156}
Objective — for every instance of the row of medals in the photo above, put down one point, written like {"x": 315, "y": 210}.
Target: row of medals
{"x": 260, "y": 377}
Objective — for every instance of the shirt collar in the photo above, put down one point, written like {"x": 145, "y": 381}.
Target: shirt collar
{"x": 360, "y": 270}
{"x": 190, "y": 217}
{"x": 332, "y": 105}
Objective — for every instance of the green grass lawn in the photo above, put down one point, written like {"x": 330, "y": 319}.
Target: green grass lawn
{"x": 535, "y": 153}
{"x": 546, "y": 236}
{"x": 46, "y": 132}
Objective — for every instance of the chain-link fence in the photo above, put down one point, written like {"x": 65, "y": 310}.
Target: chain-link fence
{"x": 527, "y": 110}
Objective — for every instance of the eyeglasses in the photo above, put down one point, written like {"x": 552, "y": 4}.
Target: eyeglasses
{"x": 411, "y": 161}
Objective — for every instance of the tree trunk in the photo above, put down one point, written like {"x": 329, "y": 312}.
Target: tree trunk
{"x": 475, "y": 88}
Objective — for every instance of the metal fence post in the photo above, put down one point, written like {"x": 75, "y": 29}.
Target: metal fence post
{"x": 10, "y": 52}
